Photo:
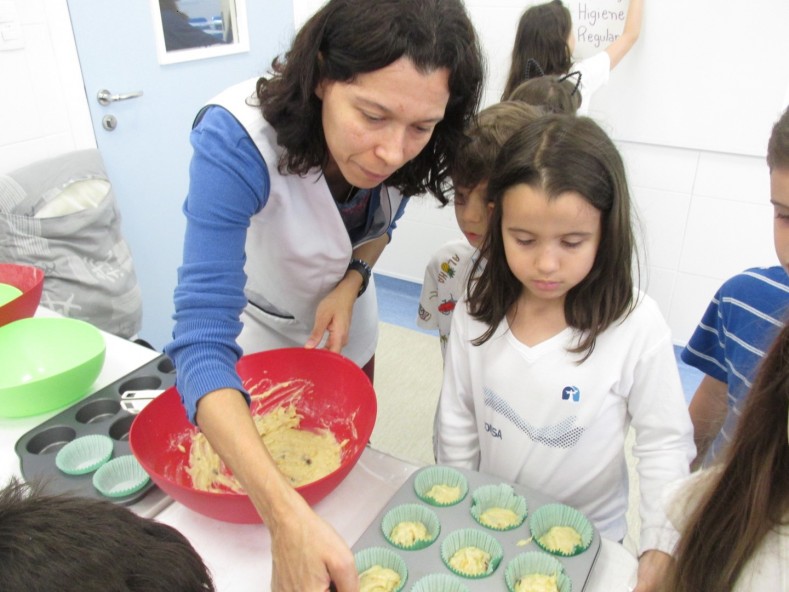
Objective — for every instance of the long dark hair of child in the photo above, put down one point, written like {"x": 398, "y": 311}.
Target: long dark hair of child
{"x": 749, "y": 496}
{"x": 350, "y": 37}
{"x": 543, "y": 31}
{"x": 560, "y": 153}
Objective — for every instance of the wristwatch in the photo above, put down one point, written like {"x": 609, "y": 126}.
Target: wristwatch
{"x": 364, "y": 270}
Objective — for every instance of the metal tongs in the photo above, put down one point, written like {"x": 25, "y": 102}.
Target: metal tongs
{"x": 135, "y": 401}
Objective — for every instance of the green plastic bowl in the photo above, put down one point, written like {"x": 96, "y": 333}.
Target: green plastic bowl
{"x": 47, "y": 363}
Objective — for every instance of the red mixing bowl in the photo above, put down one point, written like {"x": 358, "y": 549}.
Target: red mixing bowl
{"x": 30, "y": 281}
{"x": 341, "y": 398}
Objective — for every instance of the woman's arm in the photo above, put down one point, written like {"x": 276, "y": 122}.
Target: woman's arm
{"x": 632, "y": 29}
{"x": 307, "y": 552}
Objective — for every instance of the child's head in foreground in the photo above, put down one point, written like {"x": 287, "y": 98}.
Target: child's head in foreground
{"x": 561, "y": 231}
{"x": 474, "y": 164}
{"x": 75, "y": 544}
{"x": 778, "y": 161}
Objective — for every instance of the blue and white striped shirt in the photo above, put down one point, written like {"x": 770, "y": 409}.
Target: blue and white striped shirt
{"x": 734, "y": 335}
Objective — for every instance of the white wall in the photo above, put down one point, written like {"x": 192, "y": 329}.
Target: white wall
{"x": 706, "y": 215}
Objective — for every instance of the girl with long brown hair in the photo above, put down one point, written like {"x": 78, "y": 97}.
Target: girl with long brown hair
{"x": 736, "y": 535}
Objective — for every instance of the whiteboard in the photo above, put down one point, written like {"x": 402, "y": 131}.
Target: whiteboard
{"x": 705, "y": 74}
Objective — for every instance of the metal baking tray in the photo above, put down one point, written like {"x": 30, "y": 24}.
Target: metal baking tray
{"x": 427, "y": 561}
{"x": 109, "y": 411}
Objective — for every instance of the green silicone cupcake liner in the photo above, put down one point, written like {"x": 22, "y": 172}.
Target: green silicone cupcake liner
{"x": 439, "y": 582}
{"x": 411, "y": 513}
{"x": 498, "y": 496}
{"x": 437, "y": 475}
{"x": 372, "y": 556}
{"x": 120, "y": 477}
{"x": 536, "y": 562}
{"x": 84, "y": 455}
{"x": 550, "y": 515}
{"x": 471, "y": 537}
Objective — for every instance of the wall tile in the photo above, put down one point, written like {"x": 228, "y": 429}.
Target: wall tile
{"x": 737, "y": 178}
{"x": 724, "y": 237}
{"x": 662, "y": 217}
{"x": 691, "y": 296}
{"x": 659, "y": 167}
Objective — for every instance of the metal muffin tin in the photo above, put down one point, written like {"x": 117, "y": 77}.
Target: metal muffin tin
{"x": 109, "y": 411}
{"x": 428, "y": 560}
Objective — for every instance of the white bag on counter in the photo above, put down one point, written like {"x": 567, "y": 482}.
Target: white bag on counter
{"x": 61, "y": 215}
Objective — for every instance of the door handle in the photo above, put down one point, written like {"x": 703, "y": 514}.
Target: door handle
{"x": 105, "y": 97}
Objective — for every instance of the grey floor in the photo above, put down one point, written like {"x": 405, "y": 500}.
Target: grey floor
{"x": 398, "y": 301}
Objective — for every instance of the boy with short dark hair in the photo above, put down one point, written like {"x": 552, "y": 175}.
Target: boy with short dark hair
{"x": 76, "y": 544}
{"x": 741, "y": 322}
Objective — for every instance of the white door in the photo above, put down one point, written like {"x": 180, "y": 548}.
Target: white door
{"x": 147, "y": 153}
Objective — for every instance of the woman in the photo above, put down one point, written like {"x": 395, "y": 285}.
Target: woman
{"x": 293, "y": 196}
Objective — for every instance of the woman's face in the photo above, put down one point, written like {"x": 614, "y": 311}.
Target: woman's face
{"x": 376, "y": 123}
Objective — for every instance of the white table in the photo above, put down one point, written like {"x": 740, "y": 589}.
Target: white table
{"x": 239, "y": 556}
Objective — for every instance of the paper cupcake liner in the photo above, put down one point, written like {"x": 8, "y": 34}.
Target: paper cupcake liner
{"x": 471, "y": 537}
{"x": 551, "y": 515}
{"x": 498, "y": 496}
{"x": 84, "y": 455}
{"x": 411, "y": 513}
{"x": 120, "y": 477}
{"x": 439, "y": 582}
{"x": 439, "y": 475}
{"x": 535, "y": 562}
{"x": 367, "y": 558}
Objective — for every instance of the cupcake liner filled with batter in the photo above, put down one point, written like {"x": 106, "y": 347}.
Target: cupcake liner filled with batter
{"x": 561, "y": 530}
{"x": 498, "y": 507}
{"x": 380, "y": 569}
{"x": 471, "y": 553}
{"x": 411, "y": 526}
{"x": 536, "y": 571}
{"x": 439, "y": 582}
{"x": 441, "y": 486}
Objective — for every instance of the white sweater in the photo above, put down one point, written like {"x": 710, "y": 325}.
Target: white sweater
{"x": 533, "y": 415}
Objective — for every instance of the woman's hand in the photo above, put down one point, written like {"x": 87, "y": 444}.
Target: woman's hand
{"x": 334, "y": 314}
{"x": 652, "y": 568}
{"x": 309, "y": 555}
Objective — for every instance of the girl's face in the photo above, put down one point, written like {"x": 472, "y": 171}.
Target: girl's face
{"x": 550, "y": 244}
{"x": 381, "y": 120}
{"x": 472, "y": 211}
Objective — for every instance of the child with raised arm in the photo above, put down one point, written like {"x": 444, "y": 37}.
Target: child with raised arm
{"x": 741, "y": 321}
{"x": 447, "y": 270}
{"x": 555, "y": 353}
{"x": 545, "y": 35}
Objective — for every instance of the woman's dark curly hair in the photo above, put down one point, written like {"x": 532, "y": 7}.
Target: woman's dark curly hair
{"x": 350, "y": 37}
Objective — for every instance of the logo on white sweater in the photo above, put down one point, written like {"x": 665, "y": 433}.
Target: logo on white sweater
{"x": 571, "y": 392}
